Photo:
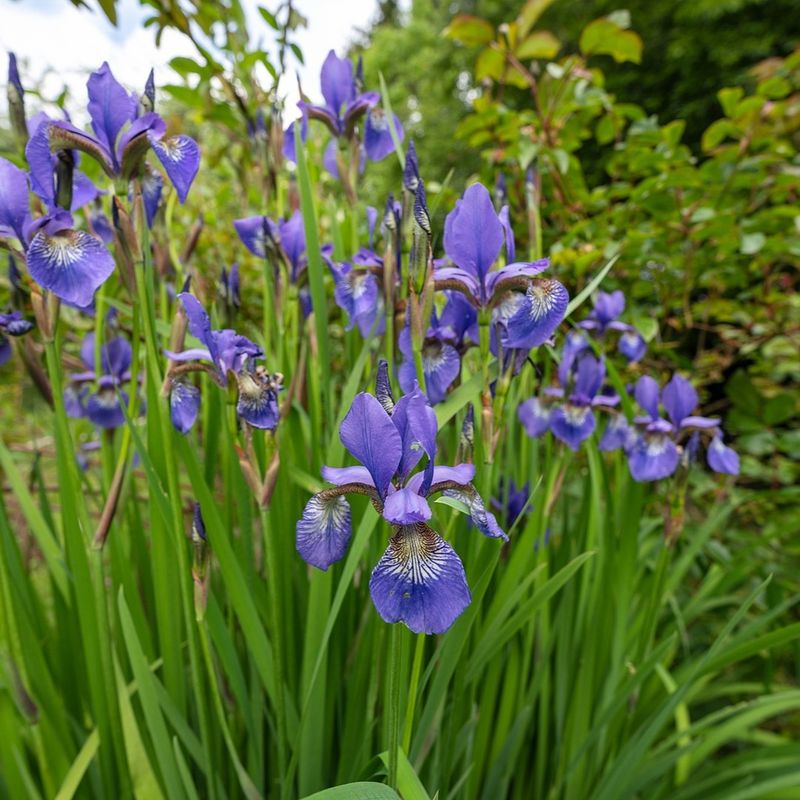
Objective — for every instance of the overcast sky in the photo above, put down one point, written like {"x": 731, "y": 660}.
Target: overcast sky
{"x": 54, "y": 35}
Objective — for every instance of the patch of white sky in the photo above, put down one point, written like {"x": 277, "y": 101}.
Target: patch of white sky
{"x": 58, "y": 45}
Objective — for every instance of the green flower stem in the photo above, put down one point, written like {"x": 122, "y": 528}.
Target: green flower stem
{"x": 393, "y": 715}
{"x": 271, "y": 562}
{"x": 413, "y": 687}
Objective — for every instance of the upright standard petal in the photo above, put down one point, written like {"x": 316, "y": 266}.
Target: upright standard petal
{"x": 14, "y": 208}
{"x": 420, "y": 581}
{"x": 71, "y": 264}
{"x": 110, "y": 106}
{"x": 115, "y": 357}
{"x": 369, "y": 435}
{"x": 184, "y": 405}
{"x": 505, "y": 221}
{"x": 608, "y": 306}
{"x": 180, "y": 157}
{"x": 722, "y": 458}
{"x": 293, "y": 241}
{"x": 324, "y": 530}
{"x": 646, "y": 393}
{"x": 542, "y": 311}
{"x": 679, "y": 399}
{"x": 336, "y": 82}
{"x": 199, "y": 323}
{"x": 473, "y": 235}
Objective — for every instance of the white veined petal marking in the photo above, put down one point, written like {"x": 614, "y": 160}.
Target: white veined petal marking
{"x": 543, "y": 297}
{"x": 657, "y": 444}
{"x": 332, "y": 514}
{"x": 576, "y": 415}
{"x": 174, "y": 149}
{"x": 419, "y": 554}
{"x": 64, "y": 249}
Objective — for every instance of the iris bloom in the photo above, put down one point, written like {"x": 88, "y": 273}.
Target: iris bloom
{"x": 515, "y": 503}
{"x": 122, "y": 137}
{"x": 70, "y": 263}
{"x": 261, "y": 236}
{"x": 344, "y": 106}
{"x": 229, "y": 286}
{"x": 11, "y": 324}
{"x": 229, "y": 353}
{"x": 608, "y": 307}
{"x": 654, "y": 444}
{"x": 102, "y": 407}
{"x": 474, "y": 235}
{"x": 420, "y": 579}
{"x": 358, "y": 285}
{"x": 568, "y": 410}
{"x": 449, "y": 334}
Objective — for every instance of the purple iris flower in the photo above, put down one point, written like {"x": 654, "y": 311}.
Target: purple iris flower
{"x": 420, "y": 579}
{"x": 567, "y": 411}
{"x": 122, "y": 137}
{"x": 70, "y": 263}
{"x": 103, "y": 407}
{"x": 11, "y": 324}
{"x": 229, "y": 286}
{"x": 344, "y": 107}
{"x": 513, "y": 505}
{"x": 228, "y": 352}
{"x": 654, "y": 446}
{"x": 448, "y": 336}
{"x": 474, "y": 235}
{"x": 261, "y": 236}
{"x": 608, "y": 307}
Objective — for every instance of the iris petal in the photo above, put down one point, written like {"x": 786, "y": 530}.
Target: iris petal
{"x": 420, "y": 581}
{"x": 324, "y": 530}
{"x": 653, "y": 457}
{"x": 258, "y": 402}
{"x": 405, "y": 507}
{"x": 180, "y": 157}
{"x": 110, "y": 106}
{"x": 473, "y": 234}
{"x": 543, "y": 309}
{"x": 369, "y": 435}
{"x": 572, "y": 424}
{"x": 104, "y": 409}
{"x": 722, "y": 458}
{"x": 378, "y": 141}
{"x": 480, "y": 516}
{"x": 14, "y": 211}
{"x": 71, "y": 264}
{"x": 184, "y": 404}
{"x": 679, "y": 399}
{"x": 535, "y": 417}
